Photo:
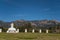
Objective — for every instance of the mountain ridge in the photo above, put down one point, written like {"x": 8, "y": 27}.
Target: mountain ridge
{"x": 37, "y": 23}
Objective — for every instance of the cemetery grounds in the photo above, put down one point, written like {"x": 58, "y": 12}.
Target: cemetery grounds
{"x": 29, "y": 36}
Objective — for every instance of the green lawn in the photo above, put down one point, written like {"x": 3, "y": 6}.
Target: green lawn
{"x": 29, "y": 36}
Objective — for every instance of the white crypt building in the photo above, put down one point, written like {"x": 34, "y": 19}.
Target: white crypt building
{"x": 12, "y": 29}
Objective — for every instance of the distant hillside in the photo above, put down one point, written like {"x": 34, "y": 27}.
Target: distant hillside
{"x": 36, "y": 23}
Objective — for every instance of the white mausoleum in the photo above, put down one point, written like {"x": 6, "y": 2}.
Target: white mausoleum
{"x": 12, "y": 29}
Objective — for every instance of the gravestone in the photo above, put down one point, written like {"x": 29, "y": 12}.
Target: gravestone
{"x": 47, "y": 31}
{"x": 33, "y": 31}
{"x": 0, "y": 30}
{"x": 25, "y": 30}
{"x": 40, "y": 31}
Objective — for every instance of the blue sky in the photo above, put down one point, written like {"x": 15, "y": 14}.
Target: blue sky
{"x": 29, "y": 10}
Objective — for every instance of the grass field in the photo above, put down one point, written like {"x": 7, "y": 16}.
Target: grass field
{"x": 29, "y": 36}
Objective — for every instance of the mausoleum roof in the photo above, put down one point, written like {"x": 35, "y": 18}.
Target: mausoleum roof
{"x": 12, "y": 29}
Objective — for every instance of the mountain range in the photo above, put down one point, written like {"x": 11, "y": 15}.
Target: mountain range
{"x": 36, "y": 23}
